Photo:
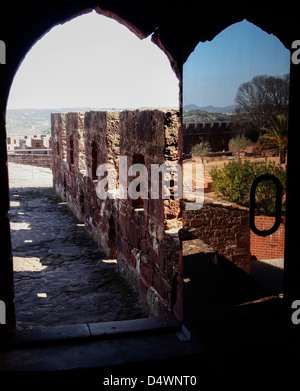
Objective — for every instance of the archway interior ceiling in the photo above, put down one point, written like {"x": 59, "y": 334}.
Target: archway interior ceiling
{"x": 176, "y": 27}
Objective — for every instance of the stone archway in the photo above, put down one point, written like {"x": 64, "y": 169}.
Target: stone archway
{"x": 240, "y": 250}
{"x": 22, "y": 27}
{"x": 70, "y": 155}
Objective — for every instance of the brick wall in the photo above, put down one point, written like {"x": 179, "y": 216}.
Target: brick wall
{"x": 270, "y": 247}
{"x": 224, "y": 227}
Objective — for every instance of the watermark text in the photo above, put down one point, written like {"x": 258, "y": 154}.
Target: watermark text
{"x": 166, "y": 182}
{"x": 2, "y": 312}
{"x": 296, "y": 314}
{"x": 155, "y": 381}
{"x": 296, "y": 53}
{"x": 2, "y": 52}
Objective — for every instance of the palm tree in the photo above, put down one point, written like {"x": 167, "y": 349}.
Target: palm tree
{"x": 277, "y": 135}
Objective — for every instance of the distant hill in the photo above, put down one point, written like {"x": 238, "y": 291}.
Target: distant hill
{"x": 27, "y": 121}
{"x": 33, "y": 121}
{"x": 196, "y": 116}
{"x": 191, "y": 107}
{"x": 210, "y": 109}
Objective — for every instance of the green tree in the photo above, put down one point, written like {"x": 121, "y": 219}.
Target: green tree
{"x": 202, "y": 149}
{"x": 233, "y": 182}
{"x": 238, "y": 144}
{"x": 276, "y": 134}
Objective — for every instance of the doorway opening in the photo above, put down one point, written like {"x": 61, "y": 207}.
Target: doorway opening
{"x": 63, "y": 241}
{"x": 227, "y": 128}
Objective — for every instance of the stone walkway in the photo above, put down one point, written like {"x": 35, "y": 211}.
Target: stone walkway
{"x": 61, "y": 276}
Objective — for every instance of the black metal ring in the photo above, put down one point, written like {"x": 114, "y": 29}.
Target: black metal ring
{"x": 257, "y": 180}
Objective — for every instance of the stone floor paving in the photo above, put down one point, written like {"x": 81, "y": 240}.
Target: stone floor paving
{"x": 61, "y": 276}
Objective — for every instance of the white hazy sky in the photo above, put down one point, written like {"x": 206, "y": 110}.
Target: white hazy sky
{"x": 93, "y": 61}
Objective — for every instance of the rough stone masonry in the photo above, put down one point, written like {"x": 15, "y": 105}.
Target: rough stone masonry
{"x": 144, "y": 235}
{"x": 141, "y": 234}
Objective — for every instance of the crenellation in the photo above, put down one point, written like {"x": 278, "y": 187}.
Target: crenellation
{"x": 217, "y": 134}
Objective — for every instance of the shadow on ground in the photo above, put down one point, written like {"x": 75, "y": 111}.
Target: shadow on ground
{"x": 61, "y": 276}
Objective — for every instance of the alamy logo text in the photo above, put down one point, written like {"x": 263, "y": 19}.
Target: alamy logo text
{"x": 166, "y": 182}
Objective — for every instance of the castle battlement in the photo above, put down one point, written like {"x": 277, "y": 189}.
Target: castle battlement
{"x": 217, "y": 134}
{"x": 206, "y": 127}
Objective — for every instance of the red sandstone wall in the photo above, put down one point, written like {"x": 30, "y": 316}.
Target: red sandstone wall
{"x": 101, "y": 129}
{"x": 58, "y": 135}
{"x": 147, "y": 253}
{"x": 225, "y": 228}
{"x": 152, "y": 252}
{"x": 270, "y": 247}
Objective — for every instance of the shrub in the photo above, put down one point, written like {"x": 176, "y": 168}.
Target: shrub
{"x": 233, "y": 182}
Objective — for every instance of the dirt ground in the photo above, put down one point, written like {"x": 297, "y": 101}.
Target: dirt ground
{"x": 219, "y": 162}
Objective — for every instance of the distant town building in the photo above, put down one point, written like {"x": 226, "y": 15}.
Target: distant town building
{"x": 41, "y": 141}
{"x": 34, "y": 150}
